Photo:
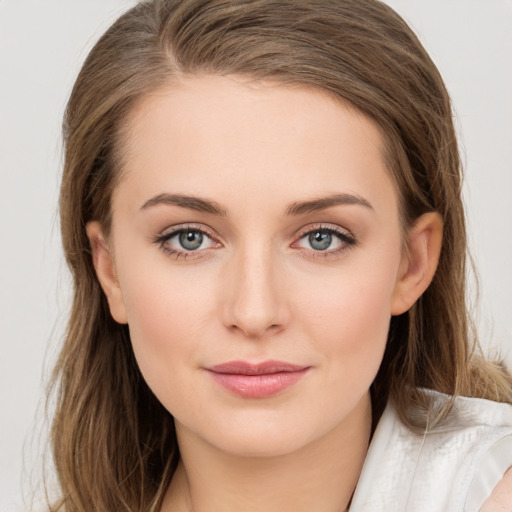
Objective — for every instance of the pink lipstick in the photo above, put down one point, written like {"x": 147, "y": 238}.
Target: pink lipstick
{"x": 257, "y": 380}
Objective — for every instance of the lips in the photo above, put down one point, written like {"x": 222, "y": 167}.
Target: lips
{"x": 257, "y": 380}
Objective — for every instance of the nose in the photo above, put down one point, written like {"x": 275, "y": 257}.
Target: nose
{"x": 254, "y": 299}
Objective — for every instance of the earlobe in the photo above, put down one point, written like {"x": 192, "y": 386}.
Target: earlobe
{"x": 419, "y": 264}
{"x": 106, "y": 272}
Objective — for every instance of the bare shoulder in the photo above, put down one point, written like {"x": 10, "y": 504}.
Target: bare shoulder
{"x": 500, "y": 499}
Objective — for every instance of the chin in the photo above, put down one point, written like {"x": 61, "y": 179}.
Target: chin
{"x": 261, "y": 433}
{"x": 260, "y": 443}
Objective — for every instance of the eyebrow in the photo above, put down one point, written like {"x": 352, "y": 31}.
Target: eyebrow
{"x": 295, "y": 209}
{"x": 184, "y": 201}
{"x": 315, "y": 205}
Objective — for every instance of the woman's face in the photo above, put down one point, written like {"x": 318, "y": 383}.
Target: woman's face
{"x": 256, "y": 250}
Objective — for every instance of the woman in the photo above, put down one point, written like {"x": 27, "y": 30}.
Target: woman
{"x": 261, "y": 210}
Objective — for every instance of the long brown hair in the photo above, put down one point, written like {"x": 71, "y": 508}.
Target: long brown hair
{"x": 114, "y": 444}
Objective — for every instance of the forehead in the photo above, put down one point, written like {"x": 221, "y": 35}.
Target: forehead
{"x": 225, "y": 136}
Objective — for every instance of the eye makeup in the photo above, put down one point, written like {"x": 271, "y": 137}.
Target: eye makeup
{"x": 193, "y": 240}
{"x": 323, "y": 241}
{"x": 186, "y": 241}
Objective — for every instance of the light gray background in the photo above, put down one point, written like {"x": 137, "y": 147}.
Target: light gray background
{"x": 42, "y": 44}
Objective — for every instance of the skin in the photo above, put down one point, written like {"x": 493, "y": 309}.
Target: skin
{"x": 257, "y": 289}
{"x": 500, "y": 499}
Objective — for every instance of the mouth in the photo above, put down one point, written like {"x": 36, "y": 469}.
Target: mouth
{"x": 261, "y": 380}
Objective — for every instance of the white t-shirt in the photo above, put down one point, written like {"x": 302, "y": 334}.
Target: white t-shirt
{"x": 451, "y": 469}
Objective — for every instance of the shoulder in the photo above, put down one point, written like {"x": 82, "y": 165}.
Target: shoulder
{"x": 457, "y": 465}
{"x": 486, "y": 430}
{"x": 489, "y": 426}
{"x": 500, "y": 499}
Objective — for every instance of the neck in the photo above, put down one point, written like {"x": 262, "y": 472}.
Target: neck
{"x": 320, "y": 476}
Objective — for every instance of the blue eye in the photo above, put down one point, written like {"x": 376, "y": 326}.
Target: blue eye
{"x": 320, "y": 240}
{"x": 326, "y": 239}
{"x": 185, "y": 241}
{"x": 190, "y": 240}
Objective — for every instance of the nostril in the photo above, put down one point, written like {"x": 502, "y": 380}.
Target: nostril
{"x": 254, "y": 331}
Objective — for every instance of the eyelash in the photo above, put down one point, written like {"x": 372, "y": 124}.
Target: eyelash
{"x": 346, "y": 239}
{"x": 163, "y": 240}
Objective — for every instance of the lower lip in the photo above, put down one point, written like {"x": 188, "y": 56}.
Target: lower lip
{"x": 258, "y": 386}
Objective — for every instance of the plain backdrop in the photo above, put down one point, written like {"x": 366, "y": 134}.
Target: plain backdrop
{"x": 43, "y": 43}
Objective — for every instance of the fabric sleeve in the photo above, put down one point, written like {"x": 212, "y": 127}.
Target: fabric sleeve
{"x": 491, "y": 468}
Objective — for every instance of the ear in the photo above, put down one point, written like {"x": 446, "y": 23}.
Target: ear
{"x": 106, "y": 272}
{"x": 419, "y": 262}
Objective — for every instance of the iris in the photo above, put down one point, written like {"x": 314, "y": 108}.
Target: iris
{"x": 320, "y": 240}
{"x": 191, "y": 240}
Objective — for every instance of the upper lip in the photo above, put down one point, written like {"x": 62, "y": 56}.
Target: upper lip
{"x": 264, "y": 368}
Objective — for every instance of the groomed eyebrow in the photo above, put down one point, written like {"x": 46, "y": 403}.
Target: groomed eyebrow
{"x": 297, "y": 208}
{"x": 190, "y": 202}
{"x": 315, "y": 205}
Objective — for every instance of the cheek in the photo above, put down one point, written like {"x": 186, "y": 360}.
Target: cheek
{"x": 348, "y": 316}
{"x": 167, "y": 312}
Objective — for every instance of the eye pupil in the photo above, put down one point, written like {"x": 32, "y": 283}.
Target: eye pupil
{"x": 191, "y": 240}
{"x": 320, "y": 240}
